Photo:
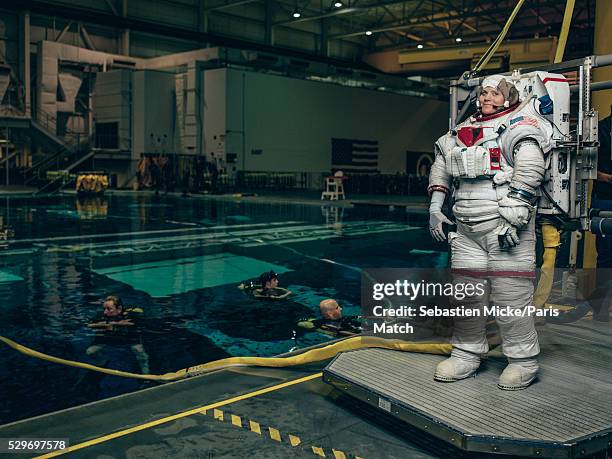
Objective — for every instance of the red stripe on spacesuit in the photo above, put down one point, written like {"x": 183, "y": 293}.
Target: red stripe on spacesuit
{"x": 476, "y": 273}
{"x": 469, "y": 135}
{"x": 530, "y": 274}
{"x": 558, "y": 80}
{"x": 433, "y": 188}
{"x": 498, "y": 114}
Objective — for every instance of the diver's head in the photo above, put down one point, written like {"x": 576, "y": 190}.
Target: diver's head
{"x": 330, "y": 309}
{"x": 269, "y": 280}
{"x": 495, "y": 94}
{"x": 113, "y": 306}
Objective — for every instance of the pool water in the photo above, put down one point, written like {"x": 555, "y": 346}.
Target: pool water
{"x": 180, "y": 261}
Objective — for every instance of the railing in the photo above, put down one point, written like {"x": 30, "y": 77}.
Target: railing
{"x": 396, "y": 184}
{"x": 15, "y": 97}
{"x": 384, "y": 184}
{"x": 49, "y": 122}
{"x": 72, "y": 145}
{"x": 275, "y": 180}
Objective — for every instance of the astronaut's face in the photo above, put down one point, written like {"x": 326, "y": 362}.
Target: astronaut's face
{"x": 491, "y": 100}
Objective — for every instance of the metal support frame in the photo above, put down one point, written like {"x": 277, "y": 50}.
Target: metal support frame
{"x": 269, "y": 20}
{"x": 25, "y": 67}
{"x": 86, "y": 37}
{"x": 324, "y": 51}
{"x": 582, "y": 146}
{"x": 63, "y": 32}
{"x": 7, "y": 165}
{"x": 422, "y": 20}
{"x": 112, "y": 7}
{"x": 202, "y": 17}
{"x": 125, "y": 33}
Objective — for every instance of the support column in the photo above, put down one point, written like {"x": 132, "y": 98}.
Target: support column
{"x": 324, "y": 51}
{"x": 24, "y": 59}
{"x": 269, "y": 38}
{"x": 202, "y": 17}
{"x": 125, "y": 33}
{"x": 602, "y": 100}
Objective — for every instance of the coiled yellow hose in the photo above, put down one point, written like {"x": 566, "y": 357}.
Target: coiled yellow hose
{"x": 313, "y": 355}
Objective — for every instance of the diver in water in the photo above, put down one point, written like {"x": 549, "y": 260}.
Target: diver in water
{"x": 119, "y": 327}
{"x": 332, "y": 322}
{"x": 265, "y": 287}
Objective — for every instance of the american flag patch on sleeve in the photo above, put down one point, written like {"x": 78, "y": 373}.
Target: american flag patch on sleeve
{"x": 523, "y": 121}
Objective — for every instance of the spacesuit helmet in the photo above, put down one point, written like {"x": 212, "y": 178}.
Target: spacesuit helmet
{"x": 503, "y": 85}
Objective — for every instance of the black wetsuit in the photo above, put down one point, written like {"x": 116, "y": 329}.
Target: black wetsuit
{"x": 120, "y": 334}
{"x": 349, "y": 325}
{"x": 270, "y": 292}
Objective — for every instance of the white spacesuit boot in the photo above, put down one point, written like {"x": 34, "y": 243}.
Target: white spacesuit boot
{"x": 459, "y": 365}
{"x": 519, "y": 374}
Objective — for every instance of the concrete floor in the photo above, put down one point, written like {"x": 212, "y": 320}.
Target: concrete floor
{"x": 8, "y": 190}
{"x": 310, "y": 410}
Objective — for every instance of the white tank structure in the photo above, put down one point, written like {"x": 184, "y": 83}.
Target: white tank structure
{"x": 550, "y": 94}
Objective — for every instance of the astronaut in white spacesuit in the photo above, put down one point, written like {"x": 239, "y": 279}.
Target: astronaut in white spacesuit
{"x": 494, "y": 162}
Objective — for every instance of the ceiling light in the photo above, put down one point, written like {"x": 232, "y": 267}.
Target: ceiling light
{"x": 368, "y": 32}
{"x": 458, "y": 39}
{"x": 420, "y": 46}
{"x": 338, "y": 4}
{"x": 296, "y": 13}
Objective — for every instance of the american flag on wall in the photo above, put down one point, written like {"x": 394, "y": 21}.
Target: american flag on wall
{"x": 356, "y": 156}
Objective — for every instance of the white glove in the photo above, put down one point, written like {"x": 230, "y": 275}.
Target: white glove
{"x": 436, "y": 217}
{"x": 503, "y": 177}
{"x": 507, "y": 234}
{"x": 516, "y": 212}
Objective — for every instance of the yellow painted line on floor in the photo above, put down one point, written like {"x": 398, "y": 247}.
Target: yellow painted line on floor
{"x": 254, "y": 426}
{"x": 274, "y": 434}
{"x": 236, "y": 420}
{"x": 295, "y": 441}
{"x": 174, "y": 417}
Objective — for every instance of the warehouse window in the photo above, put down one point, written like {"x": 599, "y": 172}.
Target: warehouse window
{"x": 107, "y": 135}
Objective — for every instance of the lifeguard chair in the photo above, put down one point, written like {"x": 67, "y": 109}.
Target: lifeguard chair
{"x": 334, "y": 187}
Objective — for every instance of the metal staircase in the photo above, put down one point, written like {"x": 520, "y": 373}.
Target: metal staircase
{"x": 66, "y": 152}
{"x": 8, "y": 154}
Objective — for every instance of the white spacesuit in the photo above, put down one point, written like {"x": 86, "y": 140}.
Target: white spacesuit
{"x": 495, "y": 161}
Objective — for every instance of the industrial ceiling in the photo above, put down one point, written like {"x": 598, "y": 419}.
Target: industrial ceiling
{"x": 334, "y": 30}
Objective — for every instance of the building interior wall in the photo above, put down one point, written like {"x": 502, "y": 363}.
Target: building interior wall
{"x": 171, "y": 101}
{"x": 288, "y": 123}
{"x": 154, "y": 113}
{"x": 112, "y": 103}
{"x": 217, "y": 132}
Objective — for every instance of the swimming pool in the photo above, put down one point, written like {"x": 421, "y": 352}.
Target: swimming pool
{"x": 179, "y": 260}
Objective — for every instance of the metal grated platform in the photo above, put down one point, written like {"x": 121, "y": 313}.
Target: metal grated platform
{"x": 566, "y": 413}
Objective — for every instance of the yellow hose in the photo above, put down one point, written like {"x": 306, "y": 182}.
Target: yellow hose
{"x": 552, "y": 240}
{"x": 484, "y": 59}
{"x": 314, "y": 355}
{"x": 567, "y": 20}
